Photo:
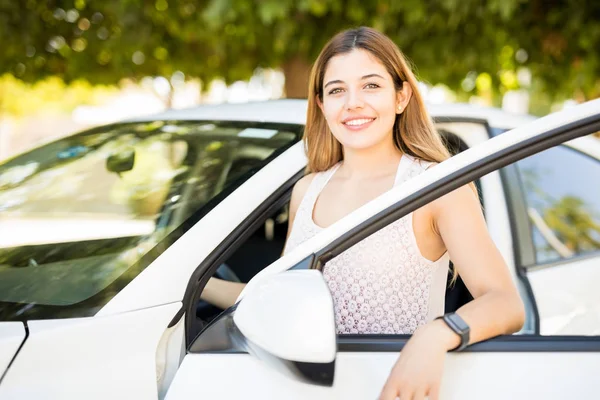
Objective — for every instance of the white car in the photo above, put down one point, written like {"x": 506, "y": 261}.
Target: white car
{"x": 108, "y": 237}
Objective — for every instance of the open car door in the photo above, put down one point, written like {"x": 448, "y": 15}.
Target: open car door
{"x": 234, "y": 356}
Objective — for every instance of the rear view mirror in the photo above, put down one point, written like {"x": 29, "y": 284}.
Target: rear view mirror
{"x": 287, "y": 320}
{"x": 121, "y": 161}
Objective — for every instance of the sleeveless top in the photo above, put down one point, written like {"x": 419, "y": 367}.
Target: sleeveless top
{"x": 381, "y": 285}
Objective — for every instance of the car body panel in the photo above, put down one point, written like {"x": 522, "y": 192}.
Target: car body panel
{"x": 525, "y": 375}
{"x": 294, "y": 111}
{"x": 32, "y": 232}
{"x": 90, "y": 358}
{"x": 12, "y": 336}
{"x": 567, "y": 296}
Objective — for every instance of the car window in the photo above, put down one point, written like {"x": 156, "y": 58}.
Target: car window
{"x": 563, "y": 202}
{"x": 81, "y": 217}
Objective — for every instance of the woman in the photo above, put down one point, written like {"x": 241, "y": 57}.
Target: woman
{"x": 367, "y": 131}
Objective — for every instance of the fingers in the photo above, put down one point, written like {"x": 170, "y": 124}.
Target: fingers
{"x": 419, "y": 394}
{"x": 389, "y": 392}
{"x": 434, "y": 393}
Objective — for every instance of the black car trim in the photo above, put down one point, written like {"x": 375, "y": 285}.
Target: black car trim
{"x": 507, "y": 176}
{"x": 304, "y": 264}
{"x": 505, "y": 344}
{"x": 207, "y": 267}
{"x": 474, "y": 120}
{"x": 395, "y": 343}
{"x": 14, "y": 357}
{"x": 455, "y": 180}
{"x": 522, "y": 245}
{"x": 521, "y": 228}
{"x": 177, "y": 317}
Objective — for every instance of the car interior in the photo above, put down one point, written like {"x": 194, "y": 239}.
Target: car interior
{"x": 265, "y": 245}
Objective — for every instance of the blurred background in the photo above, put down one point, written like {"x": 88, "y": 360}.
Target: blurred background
{"x": 66, "y": 65}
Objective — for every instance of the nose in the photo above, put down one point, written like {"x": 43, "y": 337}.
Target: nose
{"x": 354, "y": 99}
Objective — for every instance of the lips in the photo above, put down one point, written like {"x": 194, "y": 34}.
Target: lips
{"x": 357, "y": 121}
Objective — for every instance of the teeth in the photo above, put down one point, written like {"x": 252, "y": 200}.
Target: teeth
{"x": 356, "y": 122}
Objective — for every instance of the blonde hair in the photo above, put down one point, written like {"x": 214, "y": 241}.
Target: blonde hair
{"x": 414, "y": 132}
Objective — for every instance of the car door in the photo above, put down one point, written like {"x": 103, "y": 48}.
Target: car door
{"x": 516, "y": 367}
{"x": 95, "y": 221}
{"x": 556, "y": 204}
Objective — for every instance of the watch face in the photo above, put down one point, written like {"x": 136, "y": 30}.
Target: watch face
{"x": 459, "y": 322}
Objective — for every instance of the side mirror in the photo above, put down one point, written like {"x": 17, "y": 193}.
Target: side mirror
{"x": 121, "y": 161}
{"x": 287, "y": 320}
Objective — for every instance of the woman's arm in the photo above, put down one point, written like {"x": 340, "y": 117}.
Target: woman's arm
{"x": 224, "y": 294}
{"x": 497, "y": 308}
{"x": 221, "y": 293}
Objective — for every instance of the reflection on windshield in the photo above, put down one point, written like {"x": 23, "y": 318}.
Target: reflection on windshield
{"x": 563, "y": 205}
{"x": 78, "y": 214}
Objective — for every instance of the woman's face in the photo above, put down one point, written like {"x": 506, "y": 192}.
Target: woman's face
{"x": 360, "y": 102}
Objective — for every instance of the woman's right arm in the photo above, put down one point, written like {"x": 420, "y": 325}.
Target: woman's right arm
{"x": 223, "y": 294}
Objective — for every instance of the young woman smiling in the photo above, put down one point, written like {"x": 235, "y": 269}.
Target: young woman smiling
{"x": 367, "y": 131}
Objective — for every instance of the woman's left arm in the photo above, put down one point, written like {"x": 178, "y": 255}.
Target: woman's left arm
{"x": 496, "y": 309}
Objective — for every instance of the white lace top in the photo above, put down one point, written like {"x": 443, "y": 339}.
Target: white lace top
{"x": 382, "y": 284}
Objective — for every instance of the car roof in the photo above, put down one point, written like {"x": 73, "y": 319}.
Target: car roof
{"x": 293, "y": 111}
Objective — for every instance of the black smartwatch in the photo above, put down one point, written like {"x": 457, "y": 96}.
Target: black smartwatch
{"x": 460, "y": 327}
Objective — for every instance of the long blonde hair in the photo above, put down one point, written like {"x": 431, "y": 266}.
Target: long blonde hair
{"x": 414, "y": 132}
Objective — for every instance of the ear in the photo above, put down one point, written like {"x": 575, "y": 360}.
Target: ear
{"x": 403, "y": 97}
{"x": 319, "y": 103}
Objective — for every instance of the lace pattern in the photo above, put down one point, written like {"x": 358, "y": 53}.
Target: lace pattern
{"x": 382, "y": 284}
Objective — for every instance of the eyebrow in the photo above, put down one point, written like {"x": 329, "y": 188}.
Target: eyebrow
{"x": 362, "y": 79}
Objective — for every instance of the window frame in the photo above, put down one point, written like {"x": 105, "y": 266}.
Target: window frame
{"x": 526, "y": 254}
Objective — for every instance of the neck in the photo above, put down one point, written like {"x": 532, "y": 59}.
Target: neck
{"x": 370, "y": 163}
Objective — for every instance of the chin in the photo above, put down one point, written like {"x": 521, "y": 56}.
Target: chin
{"x": 359, "y": 142}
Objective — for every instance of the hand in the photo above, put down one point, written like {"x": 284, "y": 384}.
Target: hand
{"x": 418, "y": 372}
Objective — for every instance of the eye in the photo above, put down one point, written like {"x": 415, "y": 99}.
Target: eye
{"x": 335, "y": 91}
{"x": 372, "y": 86}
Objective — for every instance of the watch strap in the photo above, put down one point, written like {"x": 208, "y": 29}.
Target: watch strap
{"x": 458, "y": 326}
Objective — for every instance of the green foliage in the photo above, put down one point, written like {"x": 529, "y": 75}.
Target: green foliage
{"x": 461, "y": 43}
{"x": 573, "y": 223}
{"x": 50, "y": 94}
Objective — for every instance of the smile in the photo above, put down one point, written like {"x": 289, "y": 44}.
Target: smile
{"x": 359, "y": 122}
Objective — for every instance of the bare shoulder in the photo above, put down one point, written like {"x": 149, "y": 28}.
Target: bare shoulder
{"x": 463, "y": 198}
{"x": 300, "y": 189}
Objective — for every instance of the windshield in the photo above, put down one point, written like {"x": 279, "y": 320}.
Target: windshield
{"x": 81, "y": 217}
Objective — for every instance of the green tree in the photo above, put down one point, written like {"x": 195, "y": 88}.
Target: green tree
{"x": 469, "y": 45}
{"x": 573, "y": 223}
